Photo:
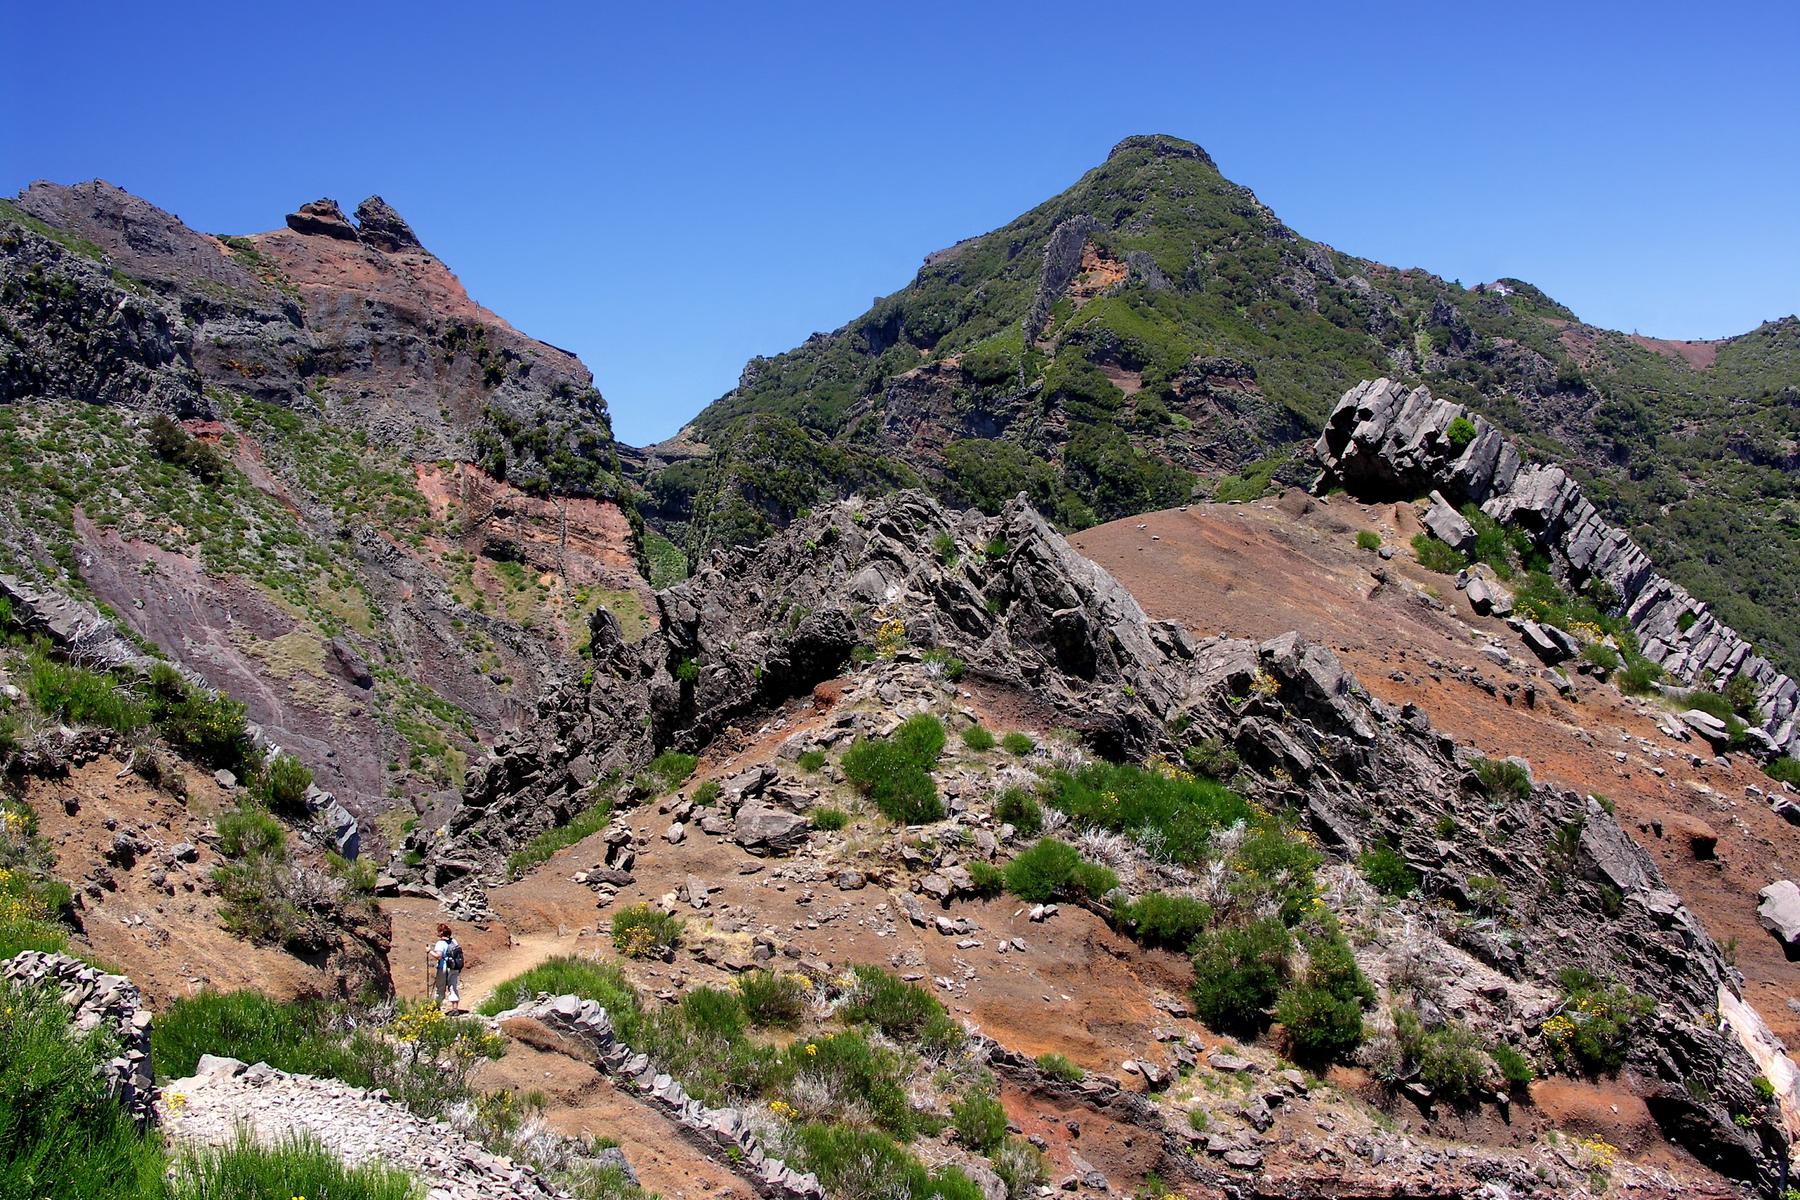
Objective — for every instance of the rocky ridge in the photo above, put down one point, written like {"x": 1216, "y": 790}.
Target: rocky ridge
{"x": 1385, "y": 440}
{"x": 1026, "y": 613}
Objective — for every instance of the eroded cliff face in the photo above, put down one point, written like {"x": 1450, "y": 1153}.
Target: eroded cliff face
{"x": 384, "y": 516}
{"x": 1522, "y": 886}
{"x": 1383, "y": 439}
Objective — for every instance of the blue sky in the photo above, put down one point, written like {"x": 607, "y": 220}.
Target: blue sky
{"x": 670, "y": 192}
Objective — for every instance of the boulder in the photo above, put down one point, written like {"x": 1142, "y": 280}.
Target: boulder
{"x": 1447, "y": 525}
{"x": 322, "y": 218}
{"x": 1779, "y": 913}
{"x": 1706, "y": 725}
{"x": 1702, "y": 839}
{"x": 765, "y": 830}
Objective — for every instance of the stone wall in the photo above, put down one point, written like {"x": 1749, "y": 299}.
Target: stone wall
{"x": 224, "y": 1099}
{"x": 1384, "y": 441}
{"x": 100, "y": 1001}
{"x": 715, "y": 1131}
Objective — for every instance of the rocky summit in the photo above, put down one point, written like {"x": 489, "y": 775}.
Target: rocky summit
{"x": 1157, "y": 706}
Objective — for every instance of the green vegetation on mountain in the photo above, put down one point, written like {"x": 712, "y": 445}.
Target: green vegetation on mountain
{"x": 1155, "y": 332}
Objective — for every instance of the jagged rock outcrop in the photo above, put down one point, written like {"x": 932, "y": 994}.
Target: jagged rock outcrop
{"x": 98, "y": 1001}
{"x": 381, "y": 227}
{"x": 1062, "y": 260}
{"x": 1545, "y": 880}
{"x": 225, "y": 1098}
{"x": 68, "y": 327}
{"x": 754, "y": 627}
{"x": 1383, "y": 440}
{"x": 323, "y": 218}
{"x": 722, "y": 1133}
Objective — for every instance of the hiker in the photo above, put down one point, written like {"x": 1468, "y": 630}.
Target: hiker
{"x": 444, "y": 962}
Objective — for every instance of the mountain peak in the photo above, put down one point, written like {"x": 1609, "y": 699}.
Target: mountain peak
{"x": 1163, "y": 145}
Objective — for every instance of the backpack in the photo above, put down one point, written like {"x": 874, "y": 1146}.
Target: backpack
{"x": 453, "y": 959}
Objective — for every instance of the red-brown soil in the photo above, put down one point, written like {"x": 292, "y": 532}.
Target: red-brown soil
{"x": 1261, "y": 569}
{"x": 166, "y": 938}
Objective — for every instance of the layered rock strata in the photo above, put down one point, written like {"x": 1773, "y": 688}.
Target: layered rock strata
{"x": 1384, "y": 440}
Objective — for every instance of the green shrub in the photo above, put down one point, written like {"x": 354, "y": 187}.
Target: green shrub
{"x": 979, "y": 1121}
{"x": 1322, "y": 1013}
{"x": 248, "y": 831}
{"x": 1368, "y": 539}
{"x": 1783, "y": 770}
{"x": 864, "y": 1163}
{"x": 772, "y": 998}
{"x": 902, "y": 1010}
{"x": 171, "y": 443}
{"x": 1163, "y": 921}
{"x": 1503, "y": 779}
{"x": 209, "y": 727}
{"x": 707, "y": 794}
{"x": 1213, "y": 759}
{"x": 296, "y": 1169}
{"x": 946, "y": 663}
{"x": 1182, "y": 812}
{"x": 641, "y": 931}
{"x": 977, "y": 738}
{"x": 1321, "y": 1026}
{"x": 584, "y": 824}
{"x": 687, "y": 671}
{"x": 714, "y": 1012}
{"x": 566, "y": 975}
{"x": 829, "y": 819}
{"x": 668, "y": 771}
{"x": 27, "y": 917}
{"x": 1640, "y": 675}
{"x": 1015, "y": 807}
{"x": 1437, "y": 556}
{"x": 895, "y": 772}
{"x": 1018, "y": 744}
{"x": 1460, "y": 432}
{"x": 1238, "y": 973}
{"x": 1059, "y": 1066}
{"x": 811, "y": 760}
{"x": 1198, "y": 1119}
{"x": 944, "y": 547}
{"x": 989, "y": 880}
{"x": 80, "y": 696}
{"x": 256, "y": 902}
{"x": 1020, "y": 1167}
{"x": 1515, "y": 1068}
{"x": 251, "y": 1027}
{"x": 1453, "y": 1064}
{"x": 1601, "y": 656}
{"x": 62, "y": 1137}
{"x": 1054, "y": 870}
{"x": 826, "y": 1076}
{"x": 1387, "y": 871}
{"x": 1594, "y": 1030}
{"x": 282, "y": 785}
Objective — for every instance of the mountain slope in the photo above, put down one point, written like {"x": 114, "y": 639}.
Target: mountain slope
{"x": 1156, "y": 330}
{"x": 306, "y": 465}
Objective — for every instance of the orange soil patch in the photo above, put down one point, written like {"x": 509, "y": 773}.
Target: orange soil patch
{"x": 1698, "y": 355}
{"x": 166, "y": 937}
